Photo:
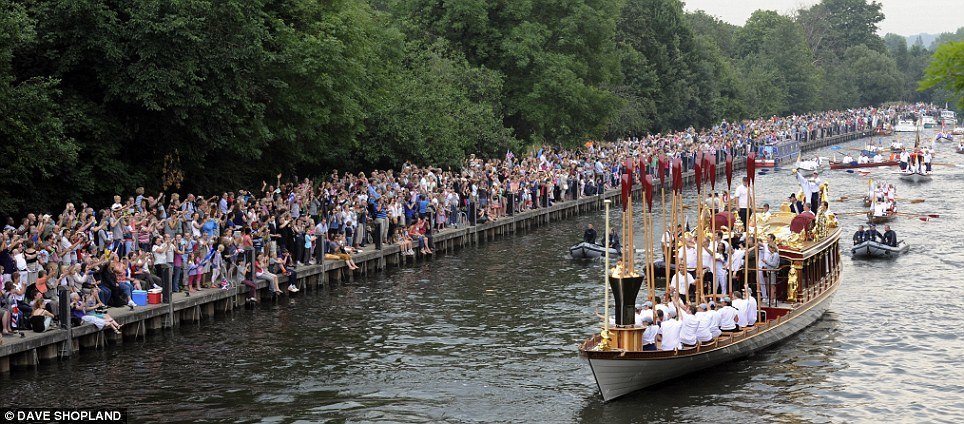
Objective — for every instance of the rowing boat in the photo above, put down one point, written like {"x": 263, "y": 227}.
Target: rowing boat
{"x": 842, "y": 165}
{"x": 915, "y": 177}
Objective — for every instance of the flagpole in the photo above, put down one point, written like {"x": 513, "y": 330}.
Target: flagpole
{"x": 606, "y": 279}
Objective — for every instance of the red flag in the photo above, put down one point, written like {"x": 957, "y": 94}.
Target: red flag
{"x": 626, "y": 186}
{"x": 710, "y": 170}
{"x": 678, "y": 175}
{"x": 648, "y": 189}
{"x": 751, "y": 167}
{"x": 729, "y": 172}
{"x": 698, "y": 172}
{"x": 662, "y": 170}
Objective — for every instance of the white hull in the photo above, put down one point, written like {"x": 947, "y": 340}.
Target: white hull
{"x": 915, "y": 177}
{"x": 905, "y": 128}
{"x": 617, "y": 377}
{"x": 589, "y": 251}
{"x": 878, "y": 250}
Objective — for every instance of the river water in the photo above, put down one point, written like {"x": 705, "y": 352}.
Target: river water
{"x": 490, "y": 334}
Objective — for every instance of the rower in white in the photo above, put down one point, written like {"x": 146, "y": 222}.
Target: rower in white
{"x": 742, "y": 308}
{"x": 729, "y": 316}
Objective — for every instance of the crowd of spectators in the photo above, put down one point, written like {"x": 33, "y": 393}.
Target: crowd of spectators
{"x": 94, "y": 258}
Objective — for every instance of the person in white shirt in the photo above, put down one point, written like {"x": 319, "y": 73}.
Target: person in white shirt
{"x": 714, "y": 320}
{"x": 729, "y": 317}
{"x": 742, "y": 196}
{"x": 742, "y": 308}
{"x": 688, "y": 335}
{"x": 162, "y": 267}
{"x": 681, "y": 282}
{"x": 649, "y": 334}
{"x": 669, "y": 332}
{"x": 703, "y": 332}
{"x": 751, "y": 309}
{"x": 811, "y": 188}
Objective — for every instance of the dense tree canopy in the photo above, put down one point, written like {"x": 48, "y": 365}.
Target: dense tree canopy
{"x": 947, "y": 69}
{"x": 100, "y": 96}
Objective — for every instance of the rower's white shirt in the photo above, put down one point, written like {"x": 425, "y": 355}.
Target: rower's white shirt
{"x": 670, "y": 330}
{"x": 689, "y": 333}
{"x": 878, "y": 159}
{"x": 714, "y": 322}
{"x": 742, "y": 195}
{"x": 649, "y": 334}
{"x": 751, "y": 310}
{"x": 738, "y": 256}
{"x": 741, "y": 308}
{"x": 904, "y": 156}
{"x": 690, "y": 258}
{"x": 686, "y": 278}
{"x": 727, "y": 313}
{"x": 705, "y": 320}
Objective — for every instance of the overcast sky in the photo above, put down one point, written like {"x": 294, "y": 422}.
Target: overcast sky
{"x": 904, "y": 17}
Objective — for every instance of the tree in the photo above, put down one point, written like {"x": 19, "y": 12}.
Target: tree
{"x": 557, "y": 60}
{"x": 39, "y": 165}
{"x": 778, "y": 63}
{"x": 947, "y": 70}
{"x": 874, "y": 74}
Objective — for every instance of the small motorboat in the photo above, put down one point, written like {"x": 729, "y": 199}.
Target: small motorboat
{"x": 958, "y": 131}
{"x": 880, "y": 219}
{"x": 844, "y": 165}
{"x": 586, "y": 250}
{"x": 876, "y": 249}
{"x": 915, "y": 177}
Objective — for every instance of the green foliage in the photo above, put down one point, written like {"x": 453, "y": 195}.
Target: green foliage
{"x": 774, "y": 53}
{"x": 945, "y": 70}
{"x": 39, "y": 159}
{"x": 100, "y": 96}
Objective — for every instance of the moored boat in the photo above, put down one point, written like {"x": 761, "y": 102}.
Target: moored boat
{"x": 905, "y": 125}
{"x": 948, "y": 117}
{"x": 928, "y": 121}
{"x": 876, "y": 249}
{"x": 842, "y": 165}
{"x": 587, "y": 250}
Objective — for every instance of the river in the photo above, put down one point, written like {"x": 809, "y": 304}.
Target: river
{"x": 490, "y": 334}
